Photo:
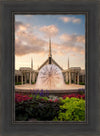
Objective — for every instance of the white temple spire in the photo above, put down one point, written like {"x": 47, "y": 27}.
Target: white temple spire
{"x": 50, "y": 55}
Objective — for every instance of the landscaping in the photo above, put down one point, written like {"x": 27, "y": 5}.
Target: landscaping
{"x": 44, "y": 107}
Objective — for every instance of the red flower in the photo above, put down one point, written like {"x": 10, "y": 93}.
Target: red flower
{"x": 20, "y": 98}
{"x": 55, "y": 100}
{"x": 50, "y": 100}
{"x": 74, "y": 95}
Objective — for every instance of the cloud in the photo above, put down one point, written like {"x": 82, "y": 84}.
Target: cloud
{"x": 26, "y": 41}
{"x": 76, "y": 20}
{"x": 50, "y": 30}
{"x": 23, "y": 48}
{"x": 64, "y": 48}
{"x": 28, "y": 15}
{"x": 19, "y": 26}
{"x": 73, "y": 38}
{"x": 70, "y": 19}
{"x": 80, "y": 38}
{"x": 74, "y": 44}
{"x": 66, "y": 37}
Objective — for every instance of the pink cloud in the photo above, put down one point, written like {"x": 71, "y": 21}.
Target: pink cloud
{"x": 73, "y": 38}
{"x": 50, "y": 30}
{"x": 76, "y": 20}
{"x": 27, "y": 42}
{"x": 66, "y": 19}
{"x": 19, "y": 26}
{"x": 80, "y": 38}
{"x": 66, "y": 37}
{"x": 70, "y": 19}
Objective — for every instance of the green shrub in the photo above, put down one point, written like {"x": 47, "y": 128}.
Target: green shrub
{"x": 81, "y": 83}
{"x": 38, "y": 107}
{"x": 72, "y": 81}
{"x": 33, "y": 82}
{"x": 72, "y": 109}
{"x": 18, "y": 83}
{"x": 67, "y": 82}
{"x": 46, "y": 111}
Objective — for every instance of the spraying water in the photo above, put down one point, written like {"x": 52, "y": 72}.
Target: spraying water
{"x": 50, "y": 77}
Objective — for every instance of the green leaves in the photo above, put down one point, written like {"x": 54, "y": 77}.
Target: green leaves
{"x": 73, "y": 109}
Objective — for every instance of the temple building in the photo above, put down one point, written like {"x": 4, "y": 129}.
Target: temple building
{"x": 71, "y": 74}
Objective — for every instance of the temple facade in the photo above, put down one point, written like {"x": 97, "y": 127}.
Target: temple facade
{"x": 28, "y": 75}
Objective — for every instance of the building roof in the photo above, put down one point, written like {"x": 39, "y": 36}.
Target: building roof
{"x": 52, "y": 62}
{"x": 17, "y": 72}
{"x": 82, "y": 72}
{"x": 25, "y": 69}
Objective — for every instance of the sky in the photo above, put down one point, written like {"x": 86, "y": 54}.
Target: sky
{"x": 67, "y": 33}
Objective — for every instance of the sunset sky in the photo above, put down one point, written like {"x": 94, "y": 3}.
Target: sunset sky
{"x": 32, "y": 34}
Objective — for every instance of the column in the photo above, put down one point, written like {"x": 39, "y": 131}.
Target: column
{"x": 30, "y": 78}
{"x": 33, "y": 76}
{"x": 25, "y": 78}
{"x": 78, "y": 78}
{"x": 22, "y": 79}
{"x": 69, "y": 77}
{"x": 75, "y": 78}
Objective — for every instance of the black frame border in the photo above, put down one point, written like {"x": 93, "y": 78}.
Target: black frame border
{"x": 93, "y": 125}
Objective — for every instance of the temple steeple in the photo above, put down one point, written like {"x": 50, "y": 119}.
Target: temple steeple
{"x": 50, "y": 55}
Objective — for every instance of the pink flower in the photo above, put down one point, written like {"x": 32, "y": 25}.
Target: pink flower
{"x": 55, "y": 100}
{"x": 50, "y": 100}
{"x": 74, "y": 95}
{"x": 20, "y": 98}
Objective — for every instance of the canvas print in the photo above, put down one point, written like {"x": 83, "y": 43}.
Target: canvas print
{"x": 50, "y": 67}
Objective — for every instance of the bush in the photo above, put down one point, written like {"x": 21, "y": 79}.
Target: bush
{"x": 81, "y": 83}
{"x": 67, "y": 82}
{"x": 18, "y": 83}
{"x": 46, "y": 110}
{"x": 40, "y": 108}
{"x": 72, "y": 109}
{"x": 54, "y": 108}
{"x": 33, "y": 82}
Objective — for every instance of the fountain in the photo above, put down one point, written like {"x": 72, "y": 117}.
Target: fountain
{"x": 50, "y": 77}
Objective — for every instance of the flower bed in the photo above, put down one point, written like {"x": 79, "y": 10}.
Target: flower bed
{"x": 41, "y": 107}
{"x": 74, "y": 95}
